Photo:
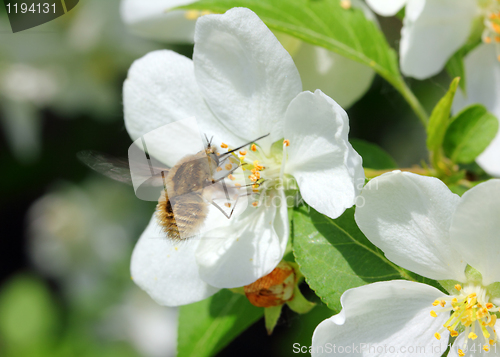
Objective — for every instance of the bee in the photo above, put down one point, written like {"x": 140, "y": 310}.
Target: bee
{"x": 185, "y": 191}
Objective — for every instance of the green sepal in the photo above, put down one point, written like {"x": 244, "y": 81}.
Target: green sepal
{"x": 299, "y": 303}
{"x": 271, "y": 316}
{"x": 449, "y": 286}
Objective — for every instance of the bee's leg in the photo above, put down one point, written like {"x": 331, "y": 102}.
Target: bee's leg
{"x": 228, "y": 216}
{"x": 229, "y": 173}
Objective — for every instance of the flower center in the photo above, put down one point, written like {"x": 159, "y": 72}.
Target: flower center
{"x": 472, "y": 313}
{"x": 491, "y": 33}
{"x": 264, "y": 171}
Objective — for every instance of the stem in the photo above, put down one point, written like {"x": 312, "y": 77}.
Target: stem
{"x": 413, "y": 102}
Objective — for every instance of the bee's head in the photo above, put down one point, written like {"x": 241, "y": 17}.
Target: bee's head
{"x": 211, "y": 151}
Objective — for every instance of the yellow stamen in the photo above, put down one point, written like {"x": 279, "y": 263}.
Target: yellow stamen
{"x": 255, "y": 204}
{"x": 453, "y": 333}
{"x": 345, "y": 4}
{"x": 191, "y": 14}
{"x": 461, "y": 353}
{"x": 243, "y": 152}
{"x": 253, "y": 147}
{"x": 433, "y": 313}
{"x": 458, "y": 287}
{"x": 472, "y": 336}
{"x": 435, "y": 303}
{"x": 227, "y": 204}
{"x": 224, "y": 146}
{"x": 437, "y": 335}
{"x": 286, "y": 142}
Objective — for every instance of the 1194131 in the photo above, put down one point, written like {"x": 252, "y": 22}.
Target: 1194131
{"x": 39, "y": 8}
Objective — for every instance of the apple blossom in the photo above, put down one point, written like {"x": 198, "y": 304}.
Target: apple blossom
{"x": 240, "y": 85}
{"x": 422, "y": 226}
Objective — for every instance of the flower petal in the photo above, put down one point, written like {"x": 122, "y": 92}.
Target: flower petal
{"x": 483, "y": 86}
{"x": 408, "y": 216}
{"x": 475, "y": 229}
{"x": 246, "y": 76}
{"x": 432, "y": 31}
{"x": 386, "y": 7}
{"x": 161, "y": 89}
{"x": 337, "y": 76}
{"x": 244, "y": 250}
{"x": 383, "y": 319}
{"x": 167, "y": 270}
{"x": 151, "y": 19}
{"x": 326, "y": 167}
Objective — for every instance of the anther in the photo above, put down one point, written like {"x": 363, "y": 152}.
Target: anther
{"x": 472, "y": 336}
{"x": 345, "y": 4}
{"x": 191, "y": 14}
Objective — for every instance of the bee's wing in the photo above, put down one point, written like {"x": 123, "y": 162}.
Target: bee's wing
{"x": 112, "y": 167}
{"x": 118, "y": 168}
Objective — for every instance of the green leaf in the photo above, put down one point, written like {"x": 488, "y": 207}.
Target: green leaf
{"x": 469, "y": 134}
{"x": 334, "y": 255}
{"x": 325, "y": 23}
{"x": 207, "y": 326}
{"x": 438, "y": 122}
{"x": 374, "y": 157}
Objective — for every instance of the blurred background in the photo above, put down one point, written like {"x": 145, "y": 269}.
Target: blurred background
{"x": 67, "y": 233}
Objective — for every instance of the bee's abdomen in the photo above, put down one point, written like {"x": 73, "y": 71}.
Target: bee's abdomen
{"x": 181, "y": 217}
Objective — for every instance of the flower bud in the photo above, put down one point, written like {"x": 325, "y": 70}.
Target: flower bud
{"x": 274, "y": 289}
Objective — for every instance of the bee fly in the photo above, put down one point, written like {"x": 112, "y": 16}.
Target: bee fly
{"x": 187, "y": 188}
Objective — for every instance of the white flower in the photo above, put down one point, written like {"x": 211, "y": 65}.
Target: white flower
{"x": 422, "y": 226}
{"x": 433, "y": 31}
{"x": 337, "y": 76}
{"x": 483, "y": 86}
{"x": 241, "y": 84}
